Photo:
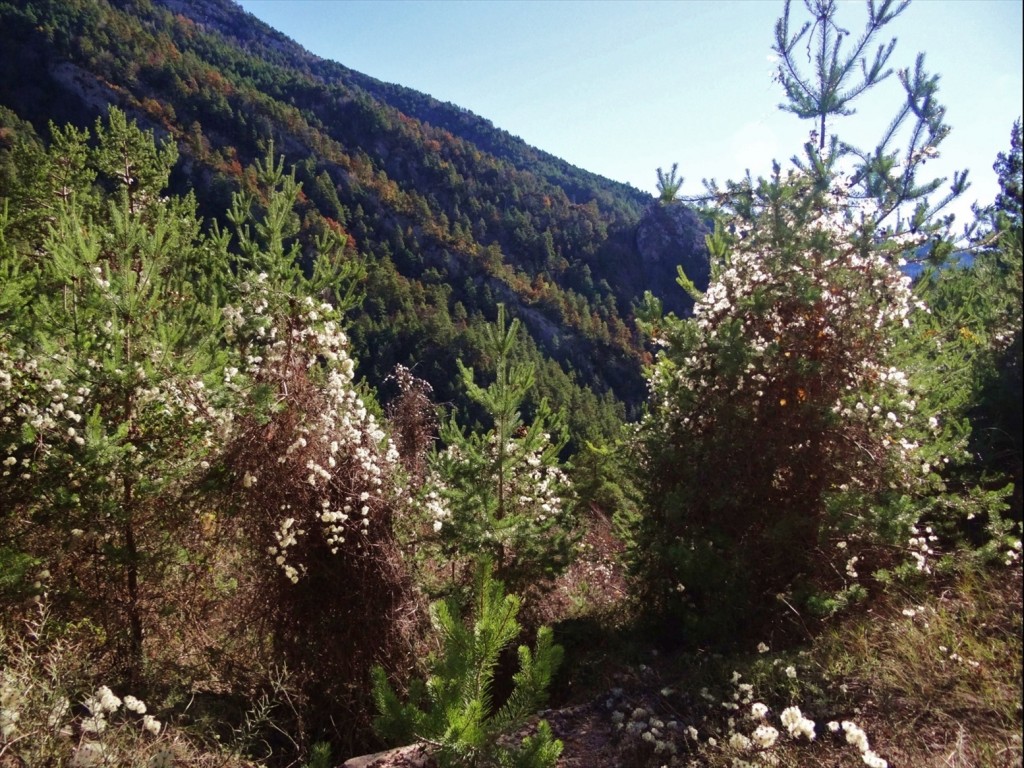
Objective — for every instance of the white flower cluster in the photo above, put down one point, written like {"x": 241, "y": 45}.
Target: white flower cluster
{"x": 742, "y": 695}
{"x": 824, "y": 300}
{"x": 764, "y": 736}
{"x": 135, "y": 705}
{"x": 151, "y": 725}
{"x": 757, "y": 747}
{"x": 10, "y": 704}
{"x": 796, "y": 724}
{"x": 437, "y": 511}
{"x": 920, "y": 547}
{"x": 821, "y": 306}
{"x": 1012, "y": 551}
{"x": 100, "y": 704}
{"x": 739, "y": 742}
{"x": 759, "y": 744}
{"x": 103, "y": 703}
{"x": 286, "y": 536}
{"x": 52, "y": 404}
{"x": 337, "y": 447}
{"x": 46, "y": 408}
{"x": 644, "y": 726}
{"x": 539, "y": 488}
{"x": 47, "y": 712}
{"x": 855, "y": 736}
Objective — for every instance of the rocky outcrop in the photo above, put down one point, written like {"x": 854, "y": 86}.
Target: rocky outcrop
{"x": 669, "y": 236}
{"x": 414, "y": 756}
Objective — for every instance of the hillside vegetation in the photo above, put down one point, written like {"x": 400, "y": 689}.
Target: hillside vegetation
{"x": 313, "y": 423}
{"x": 451, "y": 215}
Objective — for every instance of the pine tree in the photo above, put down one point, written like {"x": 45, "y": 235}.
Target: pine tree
{"x": 669, "y": 185}
{"x": 502, "y": 492}
{"x": 1009, "y": 167}
{"x": 886, "y": 174}
{"x": 454, "y": 709}
{"x": 969, "y": 345}
{"x": 112, "y": 371}
{"x": 828, "y": 91}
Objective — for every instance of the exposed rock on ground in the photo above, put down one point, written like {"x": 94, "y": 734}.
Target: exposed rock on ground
{"x": 413, "y": 756}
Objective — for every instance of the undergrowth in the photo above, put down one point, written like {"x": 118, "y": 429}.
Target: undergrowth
{"x": 926, "y": 675}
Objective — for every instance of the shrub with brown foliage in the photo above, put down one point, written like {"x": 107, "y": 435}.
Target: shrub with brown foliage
{"x": 313, "y": 484}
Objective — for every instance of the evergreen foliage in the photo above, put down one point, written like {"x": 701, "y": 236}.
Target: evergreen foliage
{"x": 502, "y": 492}
{"x": 886, "y": 174}
{"x": 106, "y": 407}
{"x": 830, "y": 88}
{"x": 969, "y": 346}
{"x": 454, "y": 709}
{"x": 669, "y": 185}
{"x": 1009, "y": 167}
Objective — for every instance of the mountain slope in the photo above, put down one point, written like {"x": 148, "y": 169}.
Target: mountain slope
{"x": 450, "y": 214}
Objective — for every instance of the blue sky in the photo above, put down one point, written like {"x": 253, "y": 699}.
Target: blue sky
{"x": 622, "y": 87}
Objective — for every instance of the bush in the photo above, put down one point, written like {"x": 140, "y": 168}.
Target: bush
{"x": 788, "y": 450}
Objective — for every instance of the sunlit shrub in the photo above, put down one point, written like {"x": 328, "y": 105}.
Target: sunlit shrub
{"x": 783, "y": 442}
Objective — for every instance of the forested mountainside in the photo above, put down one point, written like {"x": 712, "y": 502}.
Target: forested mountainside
{"x": 450, "y": 214}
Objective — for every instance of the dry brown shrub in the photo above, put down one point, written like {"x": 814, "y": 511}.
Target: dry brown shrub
{"x": 349, "y": 603}
{"x": 413, "y": 420}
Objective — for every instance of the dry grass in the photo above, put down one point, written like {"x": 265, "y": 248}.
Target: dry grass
{"x": 941, "y": 687}
{"x": 46, "y": 678}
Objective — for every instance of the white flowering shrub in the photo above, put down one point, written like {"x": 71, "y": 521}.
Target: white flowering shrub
{"x": 782, "y": 443}
{"x": 306, "y": 454}
{"x": 307, "y": 471}
{"x": 319, "y": 462}
{"x": 413, "y": 422}
{"x": 791, "y": 451}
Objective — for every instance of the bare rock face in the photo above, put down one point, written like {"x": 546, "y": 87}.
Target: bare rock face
{"x": 669, "y": 236}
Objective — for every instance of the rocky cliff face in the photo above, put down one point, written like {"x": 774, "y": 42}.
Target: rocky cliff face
{"x": 668, "y": 236}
